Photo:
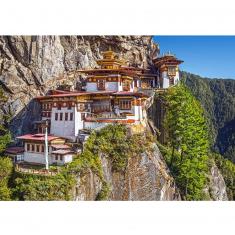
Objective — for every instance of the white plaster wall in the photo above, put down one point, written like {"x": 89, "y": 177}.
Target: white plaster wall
{"x": 120, "y": 86}
{"x": 36, "y": 157}
{"x": 177, "y": 77}
{"x": 79, "y": 124}
{"x": 111, "y": 86}
{"x": 68, "y": 158}
{"x": 165, "y": 80}
{"x": 63, "y": 128}
{"x": 137, "y": 111}
{"x": 93, "y": 125}
{"x": 91, "y": 86}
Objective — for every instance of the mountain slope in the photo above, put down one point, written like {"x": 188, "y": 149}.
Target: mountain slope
{"x": 217, "y": 97}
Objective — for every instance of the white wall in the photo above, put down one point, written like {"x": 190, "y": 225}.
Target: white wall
{"x": 63, "y": 128}
{"x": 91, "y": 86}
{"x": 111, "y": 86}
{"x": 67, "y": 158}
{"x": 93, "y": 125}
{"x": 177, "y": 77}
{"x": 165, "y": 80}
{"x": 35, "y": 157}
{"x": 166, "y": 83}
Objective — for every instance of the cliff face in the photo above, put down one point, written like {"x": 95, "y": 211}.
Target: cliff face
{"x": 217, "y": 186}
{"x": 146, "y": 178}
{"x": 31, "y": 65}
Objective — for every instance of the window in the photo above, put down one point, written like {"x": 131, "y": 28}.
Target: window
{"x": 42, "y": 148}
{"x": 66, "y": 116}
{"x": 171, "y": 81}
{"x": 28, "y": 147}
{"x": 61, "y": 116}
{"x": 101, "y": 84}
{"x": 56, "y": 157}
{"x": 69, "y": 106}
{"x": 59, "y": 107}
{"x": 71, "y": 116}
{"x": 171, "y": 70}
{"x": 83, "y": 115}
{"x": 125, "y": 104}
{"x": 61, "y": 158}
{"x": 37, "y": 148}
{"x": 19, "y": 158}
{"x": 126, "y": 85}
{"x": 33, "y": 148}
{"x": 56, "y": 116}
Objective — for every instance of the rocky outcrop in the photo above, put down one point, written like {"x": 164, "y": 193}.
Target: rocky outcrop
{"x": 145, "y": 178}
{"x": 217, "y": 186}
{"x": 31, "y": 65}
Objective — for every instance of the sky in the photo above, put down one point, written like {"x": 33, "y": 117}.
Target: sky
{"x": 207, "y": 56}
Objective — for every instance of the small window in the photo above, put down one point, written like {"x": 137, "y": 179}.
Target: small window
{"x": 171, "y": 70}
{"x": 37, "y": 148}
{"x": 125, "y": 104}
{"x": 56, "y": 157}
{"x": 101, "y": 84}
{"x": 33, "y": 148}
{"x": 28, "y": 147}
{"x": 59, "y": 107}
{"x": 61, "y": 158}
{"x": 42, "y": 148}
{"x": 56, "y": 116}
{"x": 83, "y": 115}
{"x": 66, "y": 116}
{"x": 71, "y": 116}
{"x": 61, "y": 116}
{"x": 171, "y": 81}
{"x": 69, "y": 106}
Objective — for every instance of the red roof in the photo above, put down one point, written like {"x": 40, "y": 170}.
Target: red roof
{"x": 15, "y": 150}
{"x": 39, "y": 137}
{"x": 129, "y": 93}
{"x": 75, "y": 94}
{"x": 60, "y": 146}
{"x": 62, "y": 151}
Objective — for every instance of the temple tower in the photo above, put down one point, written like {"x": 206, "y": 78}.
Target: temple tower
{"x": 168, "y": 68}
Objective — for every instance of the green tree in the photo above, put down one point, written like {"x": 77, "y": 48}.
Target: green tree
{"x": 6, "y": 168}
{"x": 188, "y": 141}
{"x": 5, "y": 136}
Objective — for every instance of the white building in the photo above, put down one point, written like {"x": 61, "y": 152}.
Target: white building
{"x": 34, "y": 149}
{"x": 168, "y": 68}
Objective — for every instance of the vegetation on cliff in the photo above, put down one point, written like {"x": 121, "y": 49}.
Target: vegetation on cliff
{"x": 217, "y": 97}
{"x": 114, "y": 142}
{"x": 227, "y": 169}
{"x": 5, "y": 136}
{"x": 187, "y": 143}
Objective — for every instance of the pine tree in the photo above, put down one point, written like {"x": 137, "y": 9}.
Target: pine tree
{"x": 188, "y": 139}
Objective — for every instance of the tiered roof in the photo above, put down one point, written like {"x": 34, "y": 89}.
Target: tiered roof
{"x": 168, "y": 59}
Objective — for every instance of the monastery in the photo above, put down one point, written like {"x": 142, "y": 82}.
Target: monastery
{"x": 114, "y": 93}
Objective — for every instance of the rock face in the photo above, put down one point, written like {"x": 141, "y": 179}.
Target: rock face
{"x": 217, "y": 185}
{"x": 146, "y": 178}
{"x": 31, "y": 65}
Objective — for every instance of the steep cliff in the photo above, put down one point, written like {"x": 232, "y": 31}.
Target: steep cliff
{"x": 145, "y": 178}
{"x": 31, "y": 65}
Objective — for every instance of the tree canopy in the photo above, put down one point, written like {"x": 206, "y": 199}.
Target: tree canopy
{"x": 188, "y": 141}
